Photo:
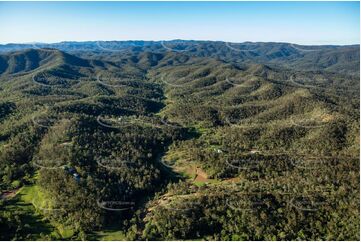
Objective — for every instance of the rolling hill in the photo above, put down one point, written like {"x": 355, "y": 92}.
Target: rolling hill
{"x": 180, "y": 140}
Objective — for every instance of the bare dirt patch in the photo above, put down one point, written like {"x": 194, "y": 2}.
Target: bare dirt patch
{"x": 9, "y": 194}
{"x": 201, "y": 176}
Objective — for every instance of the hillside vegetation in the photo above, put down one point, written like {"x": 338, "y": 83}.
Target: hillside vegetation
{"x": 179, "y": 140}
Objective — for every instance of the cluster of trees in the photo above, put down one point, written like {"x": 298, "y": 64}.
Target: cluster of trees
{"x": 222, "y": 214}
{"x": 119, "y": 166}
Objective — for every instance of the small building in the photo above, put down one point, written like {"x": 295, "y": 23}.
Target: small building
{"x": 254, "y": 151}
{"x": 76, "y": 177}
{"x": 219, "y": 151}
{"x": 73, "y": 172}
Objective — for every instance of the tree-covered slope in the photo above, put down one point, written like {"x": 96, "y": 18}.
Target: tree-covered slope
{"x": 180, "y": 140}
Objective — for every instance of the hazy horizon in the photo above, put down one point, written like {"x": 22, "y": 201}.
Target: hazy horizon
{"x": 135, "y": 40}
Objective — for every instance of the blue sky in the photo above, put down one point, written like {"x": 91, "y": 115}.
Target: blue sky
{"x": 295, "y": 22}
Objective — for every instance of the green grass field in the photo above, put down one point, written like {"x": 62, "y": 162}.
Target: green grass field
{"x": 36, "y": 227}
{"x": 108, "y": 235}
{"x": 31, "y": 200}
{"x": 28, "y": 200}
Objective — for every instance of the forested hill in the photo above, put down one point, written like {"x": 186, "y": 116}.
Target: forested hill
{"x": 179, "y": 140}
{"x": 343, "y": 59}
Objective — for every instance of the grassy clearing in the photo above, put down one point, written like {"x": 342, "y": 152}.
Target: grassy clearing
{"x": 187, "y": 168}
{"x": 36, "y": 227}
{"x": 108, "y": 235}
{"x": 34, "y": 200}
{"x": 31, "y": 200}
{"x": 199, "y": 183}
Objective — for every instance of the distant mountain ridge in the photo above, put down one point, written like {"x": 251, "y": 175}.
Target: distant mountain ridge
{"x": 331, "y": 58}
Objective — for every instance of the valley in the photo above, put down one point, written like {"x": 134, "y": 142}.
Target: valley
{"x": 179, "y": 140}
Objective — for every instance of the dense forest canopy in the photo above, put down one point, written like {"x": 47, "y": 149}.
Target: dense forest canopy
{"x": 187, "y": 140}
